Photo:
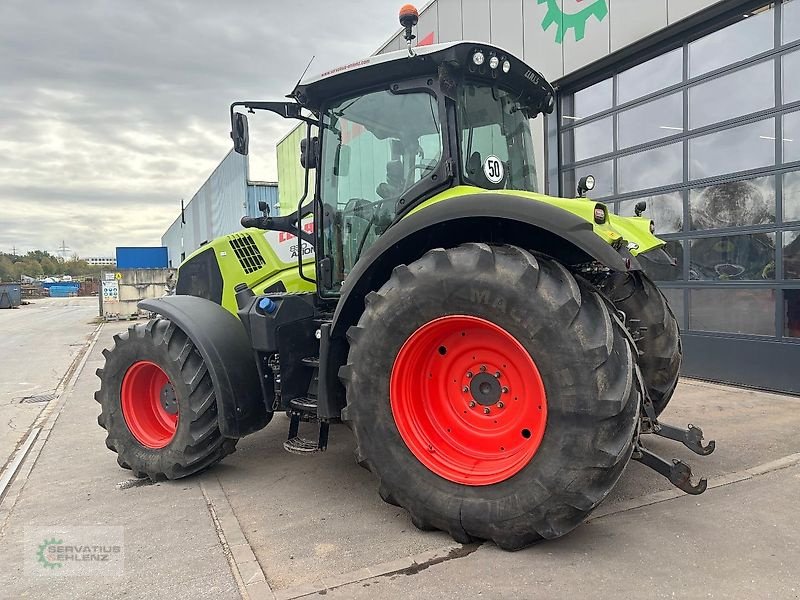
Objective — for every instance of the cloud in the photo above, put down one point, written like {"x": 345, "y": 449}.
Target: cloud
{"x": 112, "y": 111}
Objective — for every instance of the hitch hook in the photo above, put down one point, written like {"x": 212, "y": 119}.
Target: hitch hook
{"x": 691, "y": 437}
{"x": 678, "y": 473}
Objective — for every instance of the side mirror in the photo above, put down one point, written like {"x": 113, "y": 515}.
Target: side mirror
{"x": 342, "y": 166}
{"x": 239, "y": 133}
{"x": 263, "y": 207}
{"x": 585, "y": 184}
{"x": 308, "y": 152}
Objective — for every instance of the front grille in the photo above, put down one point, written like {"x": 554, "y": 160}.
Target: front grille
{"x": 246, "y": 251}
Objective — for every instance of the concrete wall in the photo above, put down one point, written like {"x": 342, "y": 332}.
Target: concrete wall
{"x": 119, "y": 296}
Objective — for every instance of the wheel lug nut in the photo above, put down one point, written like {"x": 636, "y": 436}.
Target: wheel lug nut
{"x": 500, "y": 405}
{"x": 486, "y": 411}
{"x": 469, "y": 374}
{"x": 497, "y": 374}
{"x": 472, "y": 404}
{"x": 465, "y": 389}
{"x": 483, "y": 368}
{"x": 505, "y": 390}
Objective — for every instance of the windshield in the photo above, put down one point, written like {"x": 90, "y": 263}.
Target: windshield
{"x": 496, "y": 143}
{"x": 375, "y": 147}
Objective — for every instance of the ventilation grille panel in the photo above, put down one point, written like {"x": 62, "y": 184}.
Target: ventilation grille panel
{"x": 247, "y": 252}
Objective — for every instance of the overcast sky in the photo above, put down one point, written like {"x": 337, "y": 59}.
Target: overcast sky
{"x": 111, "y": 111}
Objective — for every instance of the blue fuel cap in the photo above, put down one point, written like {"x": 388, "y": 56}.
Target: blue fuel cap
{"x": 268, "y": 305}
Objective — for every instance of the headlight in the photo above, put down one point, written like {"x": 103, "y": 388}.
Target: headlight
{"x": 494, "y": 62}
{"x": 506, "y": 66}
{"x": 478, "y": 58}
{"x": 590, "y": 181}
{"x": 652, "y": 227}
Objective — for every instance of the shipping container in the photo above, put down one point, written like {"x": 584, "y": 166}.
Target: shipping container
{"x": 64, "y": 290}
{"x": 152, "y": 257}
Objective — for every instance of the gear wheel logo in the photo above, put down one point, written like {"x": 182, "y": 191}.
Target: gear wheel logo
{"x": 42, "y": 554}
{"x": 566, "y": 20}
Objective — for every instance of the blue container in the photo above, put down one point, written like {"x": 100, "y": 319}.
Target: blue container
{"x": 64, "y": 289}
{"x": 153, "y": 257}
{"x": 10, "y": 295}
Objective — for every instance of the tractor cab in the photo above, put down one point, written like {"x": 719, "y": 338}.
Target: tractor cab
{"x": 392, "y": 131}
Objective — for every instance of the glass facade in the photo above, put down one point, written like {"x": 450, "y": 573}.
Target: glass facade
{"x": 708, "y": 134}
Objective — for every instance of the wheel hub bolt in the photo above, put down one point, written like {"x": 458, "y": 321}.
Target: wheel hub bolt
{"x": 505, "y": 390}
{"x": 469, "y": 374}
{"x": 497, "y": 374}
{"x": 500, "y": 404}
{"x": 465, "y": 389}
{"x": 486, "y": 411}
{"x": 483, "y": 368}
{"x": 472, "y": 404}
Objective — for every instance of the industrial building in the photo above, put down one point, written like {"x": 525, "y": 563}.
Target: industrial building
{"x": 217, "y": 207}
{"x": 104, "y": 261}
{"x": 690, "y": 105}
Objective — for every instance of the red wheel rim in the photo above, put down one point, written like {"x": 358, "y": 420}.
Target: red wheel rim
{"x": 468, "y": 400}
{"x": 148, "y": 404}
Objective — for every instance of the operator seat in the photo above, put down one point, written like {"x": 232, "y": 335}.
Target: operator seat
{"x": 395, "y": 183}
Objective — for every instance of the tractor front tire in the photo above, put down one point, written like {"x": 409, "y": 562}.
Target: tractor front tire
{"x": 158, "y": 403}
{"x": 493, "y": 395}
{"x": 658, "y": 336}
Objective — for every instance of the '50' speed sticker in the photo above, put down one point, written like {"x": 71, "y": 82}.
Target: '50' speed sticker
{"x": 493, "y": 169}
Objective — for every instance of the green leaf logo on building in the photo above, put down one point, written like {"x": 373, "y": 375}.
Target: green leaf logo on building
{"x": 43, "y": 554}
{"x": 565, "y": 20}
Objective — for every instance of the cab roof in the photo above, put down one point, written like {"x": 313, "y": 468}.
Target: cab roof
{"x": 347, "y": 80}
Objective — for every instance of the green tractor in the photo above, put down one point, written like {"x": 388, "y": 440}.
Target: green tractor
{"x": 498, "y": 354}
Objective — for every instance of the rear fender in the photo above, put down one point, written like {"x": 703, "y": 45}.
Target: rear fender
{"x": 490, "y": 218}
{"x": 222, "y": 341}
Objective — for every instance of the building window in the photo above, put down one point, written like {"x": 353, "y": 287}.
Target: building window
{"x": 747, "y": 38}
{"x": 656, "y": 74}
{"x": 710, "y": 140}
{"x": 791, "y": 313}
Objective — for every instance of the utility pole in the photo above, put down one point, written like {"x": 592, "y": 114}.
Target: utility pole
{"x": 63, "y": 249}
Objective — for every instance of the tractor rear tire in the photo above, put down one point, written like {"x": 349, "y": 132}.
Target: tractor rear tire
{"x": 658, "y": 340}
{"x": 158, "y": 403}
{"x": 423, "y": 404}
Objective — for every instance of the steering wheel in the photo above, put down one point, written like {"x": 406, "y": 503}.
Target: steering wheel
{"x": 359, "y": 207}
{"x": 729, "y": 270}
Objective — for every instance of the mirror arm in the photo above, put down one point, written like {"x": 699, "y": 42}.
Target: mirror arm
{"x": 287, "y": 223}
{"x": 287, "y": 110}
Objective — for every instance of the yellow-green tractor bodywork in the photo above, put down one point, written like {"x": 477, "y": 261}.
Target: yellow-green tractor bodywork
{"x": 279, "y": 268}
{"x": 635, "y": 230}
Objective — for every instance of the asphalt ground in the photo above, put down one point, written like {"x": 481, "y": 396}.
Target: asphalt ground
{"x": 267, "y": 524}
{"x": 38, "y": 343}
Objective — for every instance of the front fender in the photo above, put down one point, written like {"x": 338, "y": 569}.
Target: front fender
{"x": 223, "y": 343}
{"x": 480, "y": 217}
